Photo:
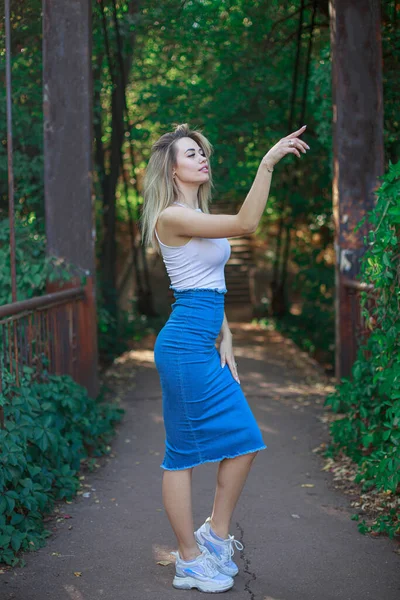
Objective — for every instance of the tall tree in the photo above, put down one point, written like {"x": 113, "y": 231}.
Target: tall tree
{"x": 108, "y": 154}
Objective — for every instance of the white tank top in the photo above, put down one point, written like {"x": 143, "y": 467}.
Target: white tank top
{"x": 199, "y": 263}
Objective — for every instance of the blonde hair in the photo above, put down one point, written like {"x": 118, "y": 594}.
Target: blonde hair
{"x": 159, "y": 186}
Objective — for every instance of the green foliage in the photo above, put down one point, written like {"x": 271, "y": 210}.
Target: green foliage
{"x": 30, "y": 261}
{"x": 50, "y": 428}
{"x": 33, "y": 267}
{"x": 369, "y": 431}
{"x": 27, "y": 111}
{"x": 218, "y": 66}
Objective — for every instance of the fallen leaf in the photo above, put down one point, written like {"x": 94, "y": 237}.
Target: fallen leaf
{"x": 307, "y": 485}
{"x": 78, "y": 573}
{"x": 164, "y": 563}
{"x": 326, "y": 467}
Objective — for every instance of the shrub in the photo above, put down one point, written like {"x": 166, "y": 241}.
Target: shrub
{"x": 50, "y": 427}
{"x": 369, "y": 430}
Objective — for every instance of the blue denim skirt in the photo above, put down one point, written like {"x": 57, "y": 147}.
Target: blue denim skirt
{"x": 206, "y": 415}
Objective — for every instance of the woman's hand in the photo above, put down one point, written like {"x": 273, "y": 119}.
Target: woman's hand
{"x": 226, "y": 354}
{"x": 289, "y": 144}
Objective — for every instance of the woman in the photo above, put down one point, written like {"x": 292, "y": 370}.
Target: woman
{"x": 206, "y": 415}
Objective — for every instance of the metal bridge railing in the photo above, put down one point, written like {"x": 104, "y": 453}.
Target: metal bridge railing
{"x": 54, "y": 333}
{"x": 359, "y": 331}
{"x": 43, "y": 334}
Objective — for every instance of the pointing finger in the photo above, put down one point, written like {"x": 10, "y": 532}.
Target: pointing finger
{"x": 298, "y": 132}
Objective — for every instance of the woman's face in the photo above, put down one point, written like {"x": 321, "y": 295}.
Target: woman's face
{"x": 191, "y": 164}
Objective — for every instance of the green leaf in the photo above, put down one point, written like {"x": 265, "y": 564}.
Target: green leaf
{"x": 4, "y": 541}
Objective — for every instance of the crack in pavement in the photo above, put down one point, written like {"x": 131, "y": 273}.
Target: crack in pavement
{"x": 247, "y": 563}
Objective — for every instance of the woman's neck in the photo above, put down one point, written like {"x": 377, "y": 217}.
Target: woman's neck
{"x": 188, "y": 194}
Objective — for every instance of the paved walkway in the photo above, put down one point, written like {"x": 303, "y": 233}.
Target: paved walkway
{"x": 300, "y": 543}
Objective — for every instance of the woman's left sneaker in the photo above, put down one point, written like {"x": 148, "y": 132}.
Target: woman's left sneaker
{"x": 220, "y": 550}
{"x": 201, "y": 573}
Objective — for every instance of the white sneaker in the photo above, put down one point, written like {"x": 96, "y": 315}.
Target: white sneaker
{"x": 220, "y": 550}
{"x": 200, "y": 573}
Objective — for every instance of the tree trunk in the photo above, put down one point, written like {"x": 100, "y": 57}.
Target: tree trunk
{"x": 358, "y": 152}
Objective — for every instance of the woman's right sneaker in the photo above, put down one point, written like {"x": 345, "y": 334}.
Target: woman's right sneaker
{"x": 200, "y": 573}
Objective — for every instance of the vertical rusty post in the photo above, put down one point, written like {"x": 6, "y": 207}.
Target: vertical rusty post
{"x": 358, "y": 153}
{"x": 67, "y": 103}
{"x": 10, "y": 152}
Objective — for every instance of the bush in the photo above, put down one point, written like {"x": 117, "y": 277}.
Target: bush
{"x": 50, "y": 427}
{"x": 369, "y": 431}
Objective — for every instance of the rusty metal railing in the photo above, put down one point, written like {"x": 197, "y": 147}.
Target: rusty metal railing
{"x": 360, "y": 331}
{"x": 41, "y": 334}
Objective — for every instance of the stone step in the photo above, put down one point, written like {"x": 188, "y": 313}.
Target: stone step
{"x": 240, "y": 239}
{"x": 242, "y": 251}
{"x": 240, "y": 261}
{"x": 229, "y": 299}
{"x": 241, "y": 283}
{"x": 243, "y": 279}
{"x": 238, "y": 264}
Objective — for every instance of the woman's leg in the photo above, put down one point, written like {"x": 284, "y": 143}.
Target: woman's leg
{"x": 177, "y": 498}
{"x": 232, "y": 475}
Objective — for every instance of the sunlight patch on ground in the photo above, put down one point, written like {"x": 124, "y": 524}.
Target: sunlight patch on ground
{"x": 266, "y": 408}
{"x": 267, "y": 429}
{"x": 162, "y": 553}
{"x": 156, "y": 417}
{"x": 75, "y": 594}
{"x": 141, "y": 356}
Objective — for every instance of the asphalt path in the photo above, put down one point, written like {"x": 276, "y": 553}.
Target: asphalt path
{"x": 114, "y": 541}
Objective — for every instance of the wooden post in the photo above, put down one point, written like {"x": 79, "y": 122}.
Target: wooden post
{"x": 67, "y": 103}
{"x": 358, "y": 154}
